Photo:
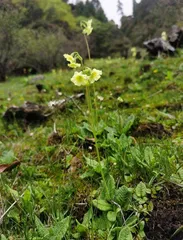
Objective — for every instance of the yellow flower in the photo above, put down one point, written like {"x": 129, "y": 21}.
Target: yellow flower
{"x": 87, "y": 27}
{"x": 95, "y": 75}
{"x": 69, "y": 58}
{"x": 134, "y": 52}
{"x": 164, "y": 36}
{"x": 74, "y": 65}
{"x": 72, "y": 60}
{"x": 80, "y": 79}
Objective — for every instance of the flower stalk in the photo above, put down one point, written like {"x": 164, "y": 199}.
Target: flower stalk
{"x": 86, "y": 78}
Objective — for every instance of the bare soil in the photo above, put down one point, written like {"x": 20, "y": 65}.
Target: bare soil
{"x": 167, "y": 216}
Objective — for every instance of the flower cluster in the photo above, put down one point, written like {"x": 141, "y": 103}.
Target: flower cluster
{"x": 87, "y": 27}
{"x": 86, "y": 77}
{"x": 72, "y": 58}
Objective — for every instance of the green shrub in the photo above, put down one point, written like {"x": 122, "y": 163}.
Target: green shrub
{"x": 9, "y": 44}
{"x": 43, "y": 50}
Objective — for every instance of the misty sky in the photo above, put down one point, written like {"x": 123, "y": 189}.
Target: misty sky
{"x": 110, "y": 8}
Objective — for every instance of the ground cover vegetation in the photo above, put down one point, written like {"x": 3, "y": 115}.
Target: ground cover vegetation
{"x": 61, "y": 190}
{"x": 92, "y": 150}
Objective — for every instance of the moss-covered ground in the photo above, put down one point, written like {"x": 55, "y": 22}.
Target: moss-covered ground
{"x": 57, "y": 191}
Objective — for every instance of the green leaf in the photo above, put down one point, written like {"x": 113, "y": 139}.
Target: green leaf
{"x": 81, "y": 228}
{"x": 87, "y": 174}
{"x": 13, "y": 192}
{"x": 27, "y": 195}
{"x": 14, "y": 213}
{"x": 149, "y": 158}
{"x": 60, "y": 228}
{"x": 142, "y": 224}
{"x": 125, "y": 234}
{"x": 123, "y": 196}
{"x": 101, "y": 223}
{"x": 111, "y": 216}
{"x": 131, "y": 221}
{"x": 94, "y": 164}
{"x": 128, "y": 124}
{"x": 180, "y": 173}
{"x": 42, "y": 230}
{"x": 7, "y": 157}
{"x": 110, "y": 187}
{"x": 140, "y": 190}
{"x": 102, "y": 205}
{"x": 3, "y": 237}
{"x": 150, "y": 206}
{"x": 87, "y": 217}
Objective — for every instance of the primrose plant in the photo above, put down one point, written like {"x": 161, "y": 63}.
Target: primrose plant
{"x": 85, "y": 77}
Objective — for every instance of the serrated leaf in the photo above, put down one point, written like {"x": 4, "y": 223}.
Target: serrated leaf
{"x": 125, "y": 234}
{"x": 101, "y": 222}
{"x": 94, "y": 165}
{"x": 60, "y": 228}
{"x": 42, "y": 230}
{"x": 102, "y": 205}
{"x": 140, "y": 190}
{"x": 87, "y": 174}
{"x": 123, "y": 196}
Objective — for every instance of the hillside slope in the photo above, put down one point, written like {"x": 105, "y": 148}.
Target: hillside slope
{"x": 151, "y": 18}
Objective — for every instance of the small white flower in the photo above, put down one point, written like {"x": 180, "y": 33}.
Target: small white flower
{"x": 100, "y": 98}
{"x": 80, "y": 79}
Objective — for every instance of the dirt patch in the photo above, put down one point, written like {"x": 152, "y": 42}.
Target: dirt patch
{"x": 54, "y": 139}
{"x": 171, "y": 86}
{"x": 145, "y": 68}
{"x": 167, "y": 215}
{"x": 151, "y": 129}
